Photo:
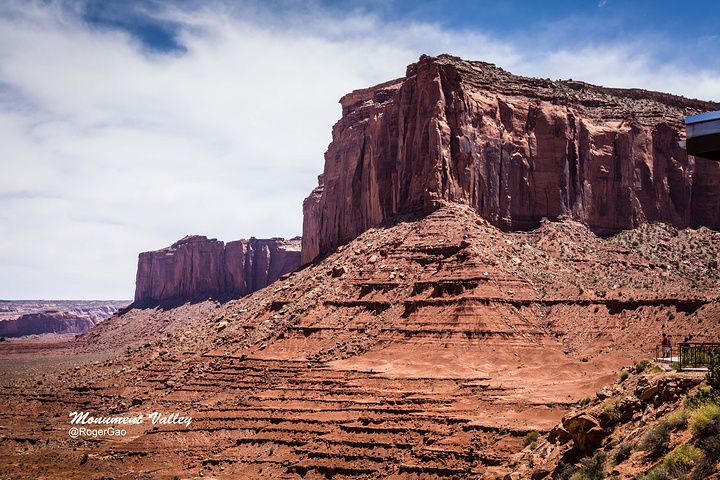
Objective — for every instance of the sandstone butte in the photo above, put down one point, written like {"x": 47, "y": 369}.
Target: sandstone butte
{"x": 515, "y": 149}
{"x": 452, "y": 303}
{"x": 196, "y": 265}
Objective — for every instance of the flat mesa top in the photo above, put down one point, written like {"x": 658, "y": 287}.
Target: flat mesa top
{"x": 703, "y": 117}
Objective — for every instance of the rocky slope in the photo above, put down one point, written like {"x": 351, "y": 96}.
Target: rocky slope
{"x": 515, "y": 149}
{"x": 428, "y": 346}
{"x": 644, "y": 427}
{"x": 196, "y": 265}
{"x": 138, "y": 324}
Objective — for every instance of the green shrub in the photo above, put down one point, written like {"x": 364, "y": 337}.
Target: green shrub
{"x": 703, "y": 418}
{"x": 656, "y": 440}
{"x": 679, "y": 420}
{"x": 658, "y": 473}
{"x": 706, "y": 429}
{"x": 622, "y": 453}
{"x": 713, "y": 375}
{"x": 682, "y": 459}
{"x": 698, "y": 398}
{"x": 591, "y": 468}
{"x": 585, "y": 401}
{"x": 704, "y": 468}
{"x": 531, "y": 437}
{"x": 564, "y": 471}
{"x": 611, "y": 410}
{"x": 624, "y": 375}
{"x": 641, "y": 366}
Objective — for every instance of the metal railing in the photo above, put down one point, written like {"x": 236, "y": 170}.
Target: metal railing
{"x": 697, "y": 354}
{"x": 688, "y": 354}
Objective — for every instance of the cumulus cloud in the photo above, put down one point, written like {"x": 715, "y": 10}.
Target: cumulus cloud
{"x": 108, "y": 148}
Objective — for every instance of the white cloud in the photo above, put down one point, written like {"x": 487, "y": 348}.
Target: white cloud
{"x": 107, "y": 150}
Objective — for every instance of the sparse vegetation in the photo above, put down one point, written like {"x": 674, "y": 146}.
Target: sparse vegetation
{"x": 641, "y": 366}
{"x": 708, "y": 440}
{"x": 682, "y": 459}
{"x": 675, "y": 464}
{"x": 531, "y": 437}
{"x": 700, "y": 397}
{"x": 622, "y": 453}
{"x": 658, "y": 473}
{"x": 592, "y": 468}
{"x": 624, "y": 375}
{"x": 657, "y": 440}
{"x": 565, "y": 472}
{"x": 610, "y": 409}
{"x": 703, "y": 418}
{"x": 679, "y": 420}
{"x": 713, "y": 375}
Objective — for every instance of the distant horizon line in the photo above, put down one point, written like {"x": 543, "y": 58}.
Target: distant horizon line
{"x": 64, "y": 300}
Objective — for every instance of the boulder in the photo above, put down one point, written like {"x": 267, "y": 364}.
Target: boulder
{"x": 586, "y": 432}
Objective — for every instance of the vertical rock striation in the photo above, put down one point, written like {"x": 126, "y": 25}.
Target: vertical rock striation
{"x": 515, "y": 149}
{"x": 196, "y": 265}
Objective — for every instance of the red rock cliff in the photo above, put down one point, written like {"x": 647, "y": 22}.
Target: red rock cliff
{"x": 197, "y": 265}
{"x": 515, "y": 149}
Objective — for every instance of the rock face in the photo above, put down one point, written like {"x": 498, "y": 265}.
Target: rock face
{"x": 515, "y": 149}
{"x": 45, "y": 322}
{"x": 196, "y": 265}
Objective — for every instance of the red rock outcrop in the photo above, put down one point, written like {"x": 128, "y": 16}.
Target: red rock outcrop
{"x": 45, "y": 322}
{"x": 515, "y": 149}
{"x": 196, "y": 265}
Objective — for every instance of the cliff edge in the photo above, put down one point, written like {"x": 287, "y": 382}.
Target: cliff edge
{"x": 515, "y": 149}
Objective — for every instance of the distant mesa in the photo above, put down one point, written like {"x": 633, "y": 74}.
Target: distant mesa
{"x": 515, "y": 149}
{"x": 49, "y": 322}
{"x": 197, "y": 265}
{"x": 53, "y": 319}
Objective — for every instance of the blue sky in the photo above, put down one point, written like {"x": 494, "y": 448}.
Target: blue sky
{"x": 125, "y": 125}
